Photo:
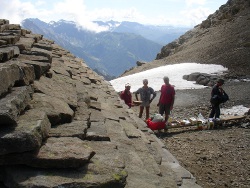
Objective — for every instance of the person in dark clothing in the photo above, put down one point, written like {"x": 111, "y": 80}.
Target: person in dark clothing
{"x": 216, "y": 99}
{"x": 126, "y": 95}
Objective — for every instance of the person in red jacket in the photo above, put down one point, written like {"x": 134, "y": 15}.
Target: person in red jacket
{"x": 166, "y": 100}
{"x": 126, "y": 95}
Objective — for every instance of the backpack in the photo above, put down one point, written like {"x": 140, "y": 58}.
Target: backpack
{"x": 224, "y": 97}
{"x": 216, "y": 99}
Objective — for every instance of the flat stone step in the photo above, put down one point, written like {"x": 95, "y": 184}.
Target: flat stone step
{"x": 40, "y": 68}
{"x": 34, "y": 58}
{"x": 57, "y": 88}
{"x": 107, "y": 154}
{"x": 4, "y": 21}
{"x": 17, "y": 31}
{"x": 3, "y": 27}
{"x": 63, "y": 152}
{"x": 31, "y": 129}
{"x": 13, "y": 104}
{"x": 2, "y": 42}
{"x": 25, "y": 43}
{"x": 37, "y": 37}
{"x": 14, "y": 27}
{"x": 27, "y": 72}
{"x": 97, "y": 132}
{"x": 10, "y": 39}
{"x": 89, "y": 176}
{"x": 9, "y": 74}
{"x": 73, "y": 129}
{"x": 45, "y": 46}
{"x": 39, "y": 52}
{"x": 9, "y": 53}
{"x": 82, "y": 112}
{"x": 56, "y": 109}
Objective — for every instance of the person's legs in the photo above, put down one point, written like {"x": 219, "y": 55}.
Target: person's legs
{"x": 217, "y": 111}
{"x": 161, "y": 109}
{"x": 166, "y": 117}
{"x": 167, "y": 112}
{"x": 141, "y": 111}
{"x": 212, "y": 112}
{"x": 147, "y": 112}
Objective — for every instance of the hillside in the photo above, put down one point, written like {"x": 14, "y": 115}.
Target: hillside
{"x": 223, "y": 38}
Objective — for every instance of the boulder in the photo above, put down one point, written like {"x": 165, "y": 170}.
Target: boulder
{"x": 14, "y": 104}
{"x": 57, "y": 88}
{"x": 57, "y": 110}
{"x": 31, "y": 129}
{"x": 9, "y": 74}
{"x": 73, "y": 129}
{"x": 64, "y": 152}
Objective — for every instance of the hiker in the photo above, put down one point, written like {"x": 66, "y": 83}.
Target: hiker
{"x": 126, "y": 95}
{"x": 167, "y": 97}
{"x": 145, "y": 96}
{"x": 218, "y": 96}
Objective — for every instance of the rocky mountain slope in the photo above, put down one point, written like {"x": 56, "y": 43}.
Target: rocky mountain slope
{"x": 223, "y": 38}
{"x": 62, "y": 125}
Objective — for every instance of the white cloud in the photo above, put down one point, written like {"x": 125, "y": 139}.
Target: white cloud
{"x": 188, "y": 13}
{"x": 40, "y": 3}
{"x": 194, "y": 16}
{"x": 115, "y": 14}
{"x": 195, "y": 2}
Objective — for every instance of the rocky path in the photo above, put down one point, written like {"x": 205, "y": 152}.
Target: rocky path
{"x": 218, "y": 158}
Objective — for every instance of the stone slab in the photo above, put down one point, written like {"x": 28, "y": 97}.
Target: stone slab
{"x": 57, "y": 110}
{"x": 14, "y": 104}
{"x": 73, "y": 129}
{"x": 31, "y": 129}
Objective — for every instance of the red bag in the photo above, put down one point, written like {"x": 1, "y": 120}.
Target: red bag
{"x": 155, "y": 125}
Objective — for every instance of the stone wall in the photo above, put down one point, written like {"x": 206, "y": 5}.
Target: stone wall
{"x": 62, "y": 125}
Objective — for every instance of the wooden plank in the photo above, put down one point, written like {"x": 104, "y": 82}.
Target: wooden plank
{"x": 224, "y": 119}
{"x": 137, "y": 103}
{"x": 229, "y": 118}
{"x": 179, "y": 126}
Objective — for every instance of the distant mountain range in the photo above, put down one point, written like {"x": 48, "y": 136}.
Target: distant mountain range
{"x": 112, "y": 52}
{"x": 159, "y": 34}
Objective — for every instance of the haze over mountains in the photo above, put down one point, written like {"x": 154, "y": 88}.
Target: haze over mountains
{"x": 112, "y": 52}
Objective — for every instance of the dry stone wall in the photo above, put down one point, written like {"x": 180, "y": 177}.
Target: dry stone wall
{"x": 62, "y": 125}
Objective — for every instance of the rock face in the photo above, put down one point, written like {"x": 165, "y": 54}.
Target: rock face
{"x": 202, "y": 78}
{"x": 223, "y": 38}
{"x": 62, "y": 125}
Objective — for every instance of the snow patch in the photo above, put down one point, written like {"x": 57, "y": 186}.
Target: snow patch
{"x": 174, "y": 72}
{"x": 235, "y": 110}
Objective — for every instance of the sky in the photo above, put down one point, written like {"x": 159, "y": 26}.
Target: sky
{"x": 154, "y": 12}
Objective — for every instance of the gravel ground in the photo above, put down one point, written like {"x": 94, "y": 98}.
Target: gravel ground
{"x": 218, "y": 158}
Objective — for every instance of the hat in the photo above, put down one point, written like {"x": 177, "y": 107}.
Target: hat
{"x": 220, "y": 81}
{"x": 127, "y": 85}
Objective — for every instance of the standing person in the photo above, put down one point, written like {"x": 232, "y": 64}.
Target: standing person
{"x": 145, "y": 95}
{"x": 218, "y": 96}
{"x": 167, "y": 97}
{"x": 126, "y": 95}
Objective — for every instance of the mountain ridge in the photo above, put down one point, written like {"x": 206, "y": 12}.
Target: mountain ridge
{"x": 107, "y": 52}
{"x": 223, "y": 38}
